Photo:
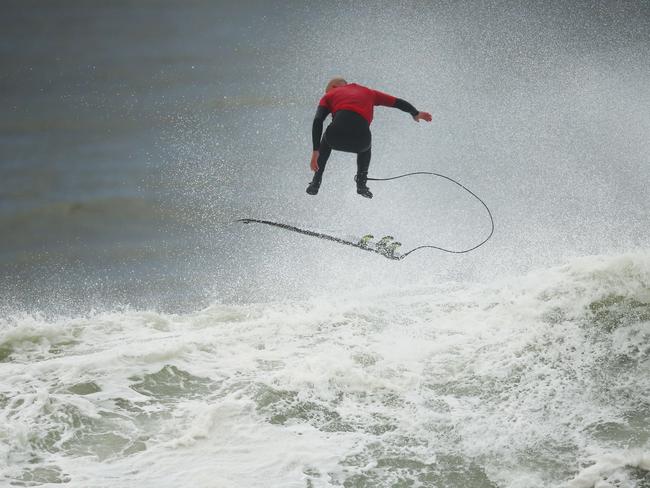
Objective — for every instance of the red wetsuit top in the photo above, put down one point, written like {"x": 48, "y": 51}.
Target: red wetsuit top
{"x": 356, "y": 98}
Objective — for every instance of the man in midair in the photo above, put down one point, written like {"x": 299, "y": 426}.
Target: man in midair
{"x": 351, "y": 106}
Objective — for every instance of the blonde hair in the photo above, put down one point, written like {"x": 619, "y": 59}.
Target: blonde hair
{"x": 337, "y": 81}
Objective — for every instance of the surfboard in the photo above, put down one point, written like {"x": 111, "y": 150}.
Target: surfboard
{"x": 386, "y": 246}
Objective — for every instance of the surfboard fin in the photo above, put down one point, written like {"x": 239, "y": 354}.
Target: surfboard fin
{"x": 366, "y": 240}
{"x": 387, "y": 246}
{"x": 391, "y": 249}
{"x": 384, "y": 241}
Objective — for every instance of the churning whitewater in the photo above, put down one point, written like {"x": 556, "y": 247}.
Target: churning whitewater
{"x": 535, "y": 381}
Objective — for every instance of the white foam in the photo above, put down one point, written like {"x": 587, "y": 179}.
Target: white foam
{"x": 512, "y": 377}
{"x": 609, "y": 466}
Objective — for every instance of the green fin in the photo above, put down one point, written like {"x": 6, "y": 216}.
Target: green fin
{"x": 384, "y": 241}
{"x": 365, "y": 240}
{"x": 387, "y": 246}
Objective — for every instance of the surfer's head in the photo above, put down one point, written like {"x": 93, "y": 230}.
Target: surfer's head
{"x": 335, "y": 83}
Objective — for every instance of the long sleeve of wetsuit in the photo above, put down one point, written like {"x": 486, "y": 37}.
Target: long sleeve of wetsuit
{"x": 317, "y": 126}
{"x": 404, "y": 106}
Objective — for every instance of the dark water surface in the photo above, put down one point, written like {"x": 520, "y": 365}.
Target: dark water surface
{"x": 91, "y": 92}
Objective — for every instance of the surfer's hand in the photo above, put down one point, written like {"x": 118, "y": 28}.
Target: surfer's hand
{"x": 423, "y": 116}
{"x": 314, "y": 161}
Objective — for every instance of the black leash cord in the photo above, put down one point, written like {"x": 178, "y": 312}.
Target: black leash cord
{"x": 359, "y": 245}
{"x": 402, "y": 256}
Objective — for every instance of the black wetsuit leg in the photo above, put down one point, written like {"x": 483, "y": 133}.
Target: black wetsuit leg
{"x": 323, "y": 155}
{"x": 363, "y": 162}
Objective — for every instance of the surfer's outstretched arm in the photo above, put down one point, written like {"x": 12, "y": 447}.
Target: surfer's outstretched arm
{"x": 404, "y": 106}
{"x": 390, "y": 101}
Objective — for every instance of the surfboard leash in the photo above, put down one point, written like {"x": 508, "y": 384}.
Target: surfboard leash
{"x": 361, "y": 245}
{"x": 430, "y": 246}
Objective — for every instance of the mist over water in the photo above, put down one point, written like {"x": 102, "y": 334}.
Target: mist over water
{"x": 146, "y": 338}
{"x": 539, "y": 112}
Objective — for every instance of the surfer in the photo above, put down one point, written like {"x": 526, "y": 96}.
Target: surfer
{"x": 351, "y": 106}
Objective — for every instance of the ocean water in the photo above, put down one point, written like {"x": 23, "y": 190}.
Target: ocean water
{"x": 535, "y": 381}
{"x": 147, "y": 339}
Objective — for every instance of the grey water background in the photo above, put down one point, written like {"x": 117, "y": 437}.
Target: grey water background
{"x": 133, "y": 133}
